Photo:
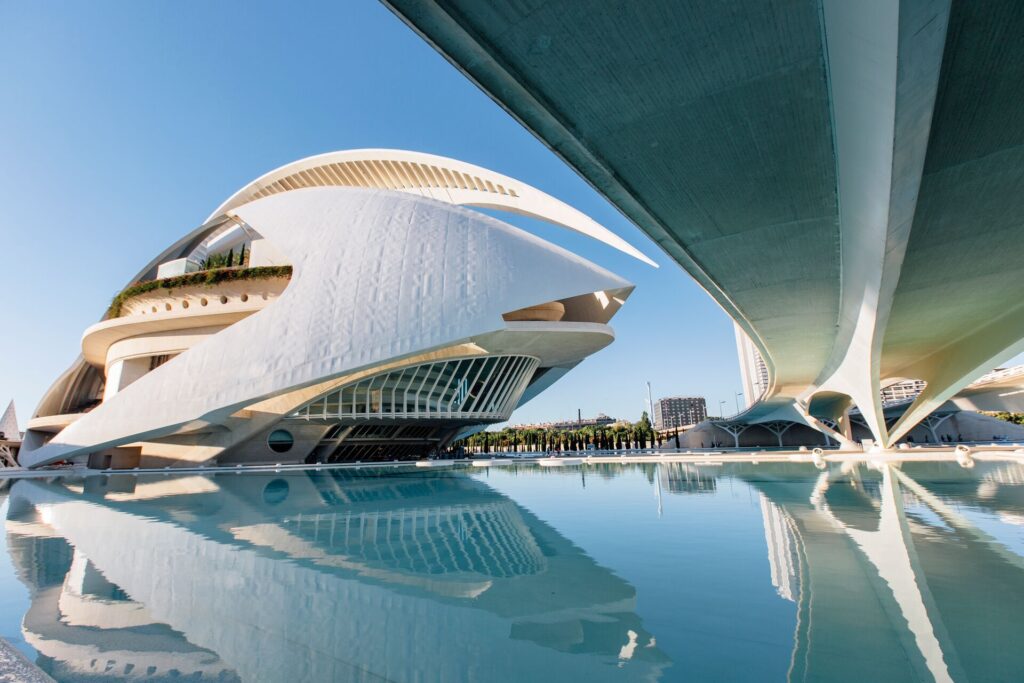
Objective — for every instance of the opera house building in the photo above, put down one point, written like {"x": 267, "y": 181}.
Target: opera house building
{"x": 345, "y": 307}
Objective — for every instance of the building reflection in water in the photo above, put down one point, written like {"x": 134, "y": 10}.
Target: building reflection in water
{"x": 331, "y": 575}
{"x": 686, "y": 478}
{"x": 908, "y": 571}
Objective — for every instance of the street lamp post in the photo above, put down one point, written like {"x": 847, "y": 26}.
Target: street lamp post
{"x": 721, "y": 408}
{"x": 738, "y": 394}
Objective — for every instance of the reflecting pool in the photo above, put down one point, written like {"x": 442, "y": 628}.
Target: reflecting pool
{"x": 643, "y": 572}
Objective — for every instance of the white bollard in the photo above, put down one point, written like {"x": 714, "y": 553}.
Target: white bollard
{"x": 818, "y": 458}
{"x": 963, "y": 456}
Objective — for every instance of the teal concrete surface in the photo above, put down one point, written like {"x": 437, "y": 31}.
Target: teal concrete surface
{"x": 966, "y": 253}
{"x": 710, "y": 132}
{"x": 714, "y": 127}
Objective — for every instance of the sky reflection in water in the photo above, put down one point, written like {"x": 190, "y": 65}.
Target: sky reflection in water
{"x": 637, "y": 572}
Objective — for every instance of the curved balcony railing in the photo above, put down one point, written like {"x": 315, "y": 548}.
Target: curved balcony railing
{"x": 197, "y": 279}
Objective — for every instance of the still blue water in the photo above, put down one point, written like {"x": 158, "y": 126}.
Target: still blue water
{"x": 671, "y": 572}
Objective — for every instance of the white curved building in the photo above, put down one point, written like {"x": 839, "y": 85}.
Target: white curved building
{"x": 342, "y": 307}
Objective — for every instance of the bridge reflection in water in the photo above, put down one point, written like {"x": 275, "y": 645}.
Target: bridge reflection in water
{"x": 890, "y": 579}
{"x": 313, "y": 576}
{"x": 908, "y": 571}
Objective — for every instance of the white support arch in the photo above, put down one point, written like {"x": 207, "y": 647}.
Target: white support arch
{"x": 428, "y": 175}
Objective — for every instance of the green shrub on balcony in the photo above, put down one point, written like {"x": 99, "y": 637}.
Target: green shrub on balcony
{"x": 200, "y": 277}
{"x": 228, "y": 260}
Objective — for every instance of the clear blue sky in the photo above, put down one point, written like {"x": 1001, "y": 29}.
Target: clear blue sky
{"x": 123, "y": 124}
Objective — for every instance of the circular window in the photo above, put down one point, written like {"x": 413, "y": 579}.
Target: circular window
{"x": 280, "y": 441}
{"x": 203, "y": 302}
{"x": 275, "y": 492}
{"x": 223, "y": 299}
{"x": 245, "y": 297}
{"x": 167, "y": 307}
{"x": 184, "y": 304}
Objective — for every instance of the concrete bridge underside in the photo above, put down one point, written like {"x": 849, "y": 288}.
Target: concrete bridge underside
{"x": 845, "y": 179}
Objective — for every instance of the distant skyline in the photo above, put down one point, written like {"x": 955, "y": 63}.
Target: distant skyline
{"x": 129, "y": 123}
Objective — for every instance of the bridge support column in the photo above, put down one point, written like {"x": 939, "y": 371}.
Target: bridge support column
{"x": 837, "y": 428}
{"x": 845, "y": 425}
{"x": 734, "y": 429}
{"x": 778, "y": 428}
{"x": 933, "y": 421}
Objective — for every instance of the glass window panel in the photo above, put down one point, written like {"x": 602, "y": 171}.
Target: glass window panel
{"x": 332, "y": 403}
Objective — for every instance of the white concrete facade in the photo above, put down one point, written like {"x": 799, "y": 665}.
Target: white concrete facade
{"x": 379, "y": 280}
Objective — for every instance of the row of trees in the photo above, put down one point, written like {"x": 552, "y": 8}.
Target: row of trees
{"x": 1015, "y": 418}
{"x": 228, "y": 260}
{"x": 622, "y": 436}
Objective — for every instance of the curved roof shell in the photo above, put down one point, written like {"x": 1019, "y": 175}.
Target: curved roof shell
{"x": 428, "y": 175}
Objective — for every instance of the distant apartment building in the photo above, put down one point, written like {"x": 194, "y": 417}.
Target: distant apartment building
{"x": 902, "y": 391}
{"x": 753, "y": 370}
{"x": 679, "y": 411}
